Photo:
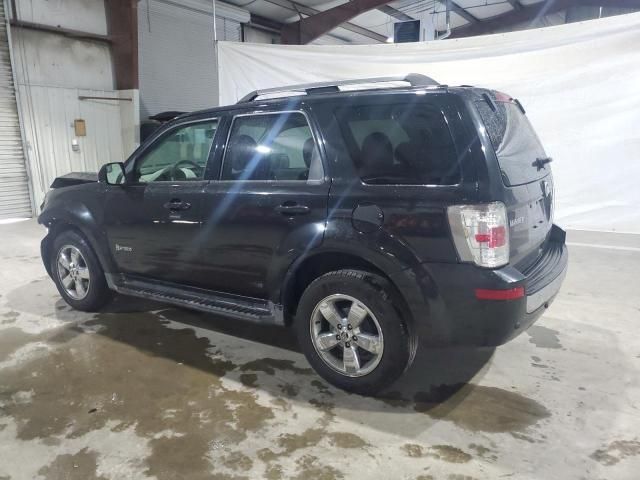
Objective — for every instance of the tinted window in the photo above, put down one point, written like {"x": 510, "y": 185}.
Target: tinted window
{"x": 180, "y": 155}
{"x": 271, "y": 147}
{"x": 404, "y": 143}
{"x": 515, "y": 142}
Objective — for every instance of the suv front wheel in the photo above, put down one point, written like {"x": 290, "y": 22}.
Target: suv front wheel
{"x": 351, "y": 333}
{"x": 77, "y": 273}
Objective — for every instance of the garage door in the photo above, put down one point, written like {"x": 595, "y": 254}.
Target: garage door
{"x": 177, "y": 59}
{"x": 14, "y": 183}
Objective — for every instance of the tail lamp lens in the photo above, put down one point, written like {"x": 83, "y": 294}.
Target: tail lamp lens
{"x": 481, "y": 233}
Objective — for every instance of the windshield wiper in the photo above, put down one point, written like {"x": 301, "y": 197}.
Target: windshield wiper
{"x": 541, "y": 162}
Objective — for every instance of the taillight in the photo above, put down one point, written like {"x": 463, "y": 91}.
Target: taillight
{"x": 481, "y": 233}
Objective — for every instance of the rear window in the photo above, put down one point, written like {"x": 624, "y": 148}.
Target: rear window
{"x": 515, "y": 142}
{"x": 401, "y": 143}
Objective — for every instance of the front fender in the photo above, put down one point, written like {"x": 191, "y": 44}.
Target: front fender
{"x": 78, "y": 208}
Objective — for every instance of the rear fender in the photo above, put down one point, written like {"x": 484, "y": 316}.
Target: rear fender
{"x": 395, "y": 261}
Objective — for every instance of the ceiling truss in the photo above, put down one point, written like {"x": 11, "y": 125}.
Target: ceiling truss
{"x": 318, "y": 23}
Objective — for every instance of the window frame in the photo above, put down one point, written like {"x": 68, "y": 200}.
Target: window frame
{"x": 442, "y": 108}
{"x": 314, "y": 136}
{"x": 163, "y": 132}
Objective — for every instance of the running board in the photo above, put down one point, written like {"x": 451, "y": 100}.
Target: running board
{"x": 243, "y": 308}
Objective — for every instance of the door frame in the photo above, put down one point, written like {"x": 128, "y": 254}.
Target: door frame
{"x": 227, "y": 120}
{"x": 165, "y": 130}
{"x": 275, "y": 275}
{"x": 139, "y": 188}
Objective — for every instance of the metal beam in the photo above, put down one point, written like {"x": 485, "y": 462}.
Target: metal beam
{"x": 611, "y": 3}
{"x": 395, "y": 13}
{"x": 308, "y": 29}
{"x": 66, "y": 32}
{"x": 463, "y": 13}
{"x": 122, "y": 24}
{"x": 515, "y": 4}
{"x": 528, "y": 13}
{"x": 512, "y": 17}
{"x": 289, "y": 5}
{"x": 264, "y": 23}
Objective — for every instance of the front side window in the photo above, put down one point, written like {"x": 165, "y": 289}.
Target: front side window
{"x": 401, "y": 143}
{"x": 181, "y": 155}
{"x": 272, "y": 147}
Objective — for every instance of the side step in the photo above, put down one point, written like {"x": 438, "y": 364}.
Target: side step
{"x": 236, "y": 306}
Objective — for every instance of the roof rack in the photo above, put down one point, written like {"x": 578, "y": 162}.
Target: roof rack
{"x": 415, "y": 79}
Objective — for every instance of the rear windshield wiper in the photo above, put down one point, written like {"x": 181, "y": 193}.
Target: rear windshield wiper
{"x": 541, "y": 162}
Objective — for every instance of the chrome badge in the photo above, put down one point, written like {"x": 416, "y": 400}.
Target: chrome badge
{"x": 123, "y": 248}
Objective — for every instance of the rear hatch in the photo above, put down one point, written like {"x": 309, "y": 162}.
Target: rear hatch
{"x": 526, "y": 175}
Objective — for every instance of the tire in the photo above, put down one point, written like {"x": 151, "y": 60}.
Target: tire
{"x": 317, "y": 329}
{"x": 82, "y": 267}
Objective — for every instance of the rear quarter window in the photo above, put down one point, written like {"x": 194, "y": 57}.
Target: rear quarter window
{"x": 404, "y": 143}
{"x": 514, "y": 141}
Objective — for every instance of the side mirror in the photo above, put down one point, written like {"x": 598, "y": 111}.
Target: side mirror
{"x": 112, "y": 174}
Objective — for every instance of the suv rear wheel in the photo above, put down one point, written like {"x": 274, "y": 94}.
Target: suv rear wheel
{"x": 351, "y": 333}
{"x": 77, "y": 273}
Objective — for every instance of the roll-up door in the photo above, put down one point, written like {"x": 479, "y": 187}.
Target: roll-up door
{"x": 177, "y": 58}
{"x": 15, "y": 201}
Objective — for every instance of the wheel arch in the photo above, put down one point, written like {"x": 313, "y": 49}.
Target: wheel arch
{"x": 80, "y": 222}
{"x": 306, "y": 270}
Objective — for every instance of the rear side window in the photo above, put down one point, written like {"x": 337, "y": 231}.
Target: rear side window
{"x": 515, "y": 142}
{"x": 401, "y": 143}
{"x": 271, "y": 147}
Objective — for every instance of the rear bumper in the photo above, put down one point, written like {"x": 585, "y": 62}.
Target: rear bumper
{"x": 451, "y": 314}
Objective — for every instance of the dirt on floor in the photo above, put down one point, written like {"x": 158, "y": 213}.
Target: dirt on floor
{"x": 143, "y": 390}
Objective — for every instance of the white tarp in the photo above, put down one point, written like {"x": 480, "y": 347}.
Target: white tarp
{"x": 580, "y": 85}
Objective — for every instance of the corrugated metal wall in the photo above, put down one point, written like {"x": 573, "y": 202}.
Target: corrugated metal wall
{"x": 48, "y": 115}
{"x": 177, "y": 56}
{"x": 15, "y": 201}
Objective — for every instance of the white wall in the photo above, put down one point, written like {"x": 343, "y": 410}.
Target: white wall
{"x": 48, "y": 114}
{"x": 84, "y": 15}
{"x": 52, "y": 71}
{"x": 43, "y": 58}
{"x": 129, "y": 120}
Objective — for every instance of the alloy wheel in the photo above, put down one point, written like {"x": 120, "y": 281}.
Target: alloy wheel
{"x": 346, "y": 335}
{"x": 73, "y": 272}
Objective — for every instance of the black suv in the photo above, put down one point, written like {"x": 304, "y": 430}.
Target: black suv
{"x": 370, "y": 219}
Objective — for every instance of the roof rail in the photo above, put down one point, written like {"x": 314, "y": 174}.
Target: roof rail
{"x": 415, "y": 79}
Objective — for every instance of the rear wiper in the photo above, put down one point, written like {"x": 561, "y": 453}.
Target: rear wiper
{"x": 541, "y": 162}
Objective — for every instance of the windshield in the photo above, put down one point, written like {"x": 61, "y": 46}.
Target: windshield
{"x": 515, "y": 142}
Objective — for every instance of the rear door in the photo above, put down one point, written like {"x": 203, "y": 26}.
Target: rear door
{"x": 526, "y": 175}
{"x": 268, "y": 206}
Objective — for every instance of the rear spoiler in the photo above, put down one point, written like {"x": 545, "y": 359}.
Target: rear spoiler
{"x": 502, "y": 97}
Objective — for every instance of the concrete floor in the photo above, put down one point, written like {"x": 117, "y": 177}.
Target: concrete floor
{"x": 147, "y": 391}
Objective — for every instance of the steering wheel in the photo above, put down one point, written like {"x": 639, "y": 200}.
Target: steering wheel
{"x": 176, "y": 172}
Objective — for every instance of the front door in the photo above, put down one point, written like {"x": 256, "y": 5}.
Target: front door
{"x": 152, "y": 221}
{"x": 268, "y": 207}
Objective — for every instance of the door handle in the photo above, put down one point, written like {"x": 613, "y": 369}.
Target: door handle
{"x": 292, "y": 209}
{"x": 177, "y": 205}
